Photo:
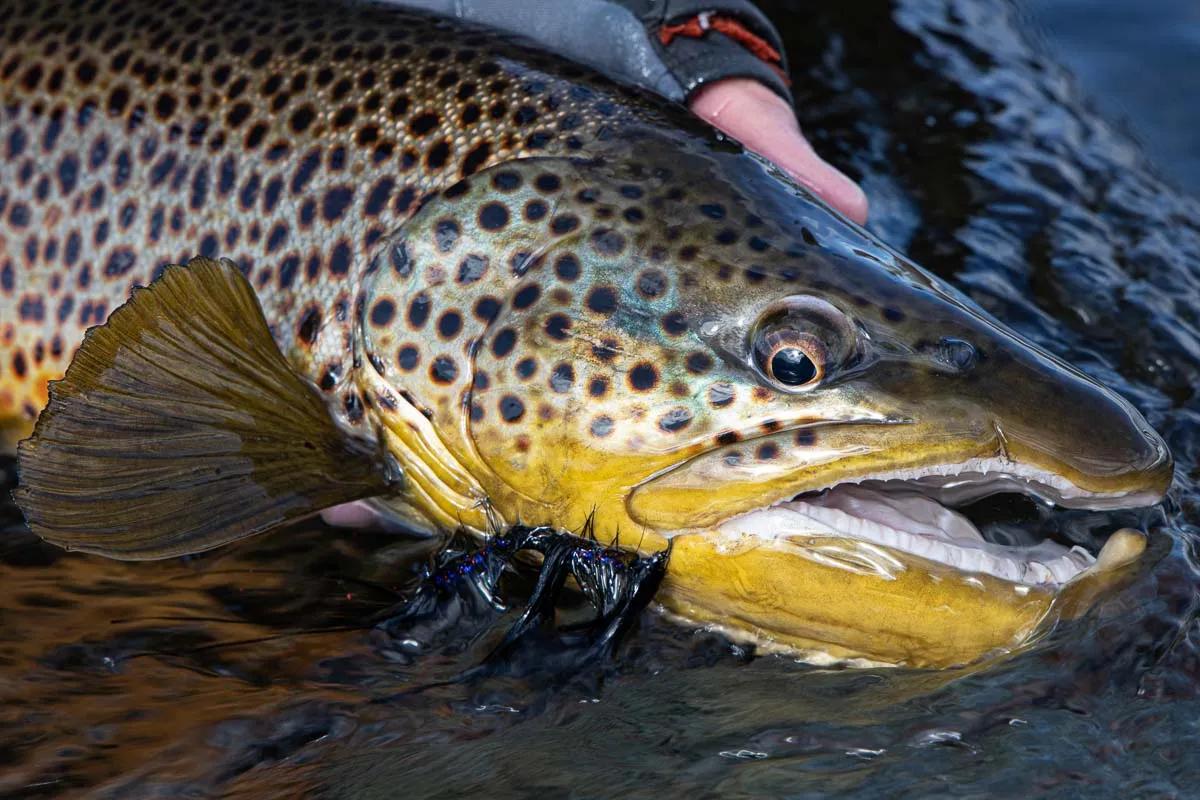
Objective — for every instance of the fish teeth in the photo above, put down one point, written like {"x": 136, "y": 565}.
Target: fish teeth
{"x": 912, "y": 523}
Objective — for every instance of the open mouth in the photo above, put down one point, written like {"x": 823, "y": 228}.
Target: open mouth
{"x": 915, "y": 513}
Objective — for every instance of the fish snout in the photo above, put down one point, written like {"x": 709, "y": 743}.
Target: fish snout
{"x": 1062, "y": 423}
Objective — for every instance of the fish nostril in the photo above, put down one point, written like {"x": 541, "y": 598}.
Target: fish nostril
{"x": 956, "y": 353}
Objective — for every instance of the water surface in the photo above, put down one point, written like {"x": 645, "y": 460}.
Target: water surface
{"x": 253, "y": 671}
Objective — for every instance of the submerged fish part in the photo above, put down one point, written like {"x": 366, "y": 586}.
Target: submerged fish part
{"x": 547, "y": 298}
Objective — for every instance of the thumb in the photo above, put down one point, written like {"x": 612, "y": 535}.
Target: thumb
{"x": 763, "y": 122}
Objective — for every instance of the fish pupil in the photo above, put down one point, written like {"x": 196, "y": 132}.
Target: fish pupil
{"x": 791, "y": 366}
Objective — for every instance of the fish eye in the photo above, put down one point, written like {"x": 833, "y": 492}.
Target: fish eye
{"x": 790, "y": 359}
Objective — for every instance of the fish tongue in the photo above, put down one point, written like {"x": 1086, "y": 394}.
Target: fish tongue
{"x": 910, "y": 512}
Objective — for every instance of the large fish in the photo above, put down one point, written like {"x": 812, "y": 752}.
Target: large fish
{"x": 450, "y": 273}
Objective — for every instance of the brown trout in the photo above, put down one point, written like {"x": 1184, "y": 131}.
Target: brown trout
{"x": 461, "y": 277}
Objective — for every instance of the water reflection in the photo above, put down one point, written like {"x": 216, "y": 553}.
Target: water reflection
{"x": 250, "y": 672}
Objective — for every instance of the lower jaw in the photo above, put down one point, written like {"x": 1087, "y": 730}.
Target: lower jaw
{"x": 830, "y": 599}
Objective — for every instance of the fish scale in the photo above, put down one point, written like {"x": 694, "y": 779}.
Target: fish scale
{"x": 135, "y": 135}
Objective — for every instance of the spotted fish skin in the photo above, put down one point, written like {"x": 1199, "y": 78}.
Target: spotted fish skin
{"x": 138, "y": 134}
{"x": 513, "y": 283}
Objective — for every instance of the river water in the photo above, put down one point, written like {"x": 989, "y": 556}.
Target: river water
{"x": 254, "y": 672}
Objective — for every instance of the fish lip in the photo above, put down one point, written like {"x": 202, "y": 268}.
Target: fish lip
{"x": 978, "y": 477}
{"x": 984, "y": 476}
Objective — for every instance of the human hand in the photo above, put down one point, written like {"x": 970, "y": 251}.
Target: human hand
{"x": 763, "y": 122}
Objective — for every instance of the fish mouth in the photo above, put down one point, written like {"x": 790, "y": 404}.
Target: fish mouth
{"x": 919, "y": 512}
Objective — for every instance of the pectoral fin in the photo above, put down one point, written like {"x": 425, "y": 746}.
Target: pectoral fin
{"x": 179, "y": 426}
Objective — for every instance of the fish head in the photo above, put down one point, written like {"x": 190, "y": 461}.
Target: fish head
{"x": 677, "y": 343}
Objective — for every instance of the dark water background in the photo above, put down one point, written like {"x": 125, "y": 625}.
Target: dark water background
{"x": 252, "y": 671}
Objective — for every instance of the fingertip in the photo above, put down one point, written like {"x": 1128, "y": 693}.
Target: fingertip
{"x": 850, "y": 199}
{"x": 829, "y": 183}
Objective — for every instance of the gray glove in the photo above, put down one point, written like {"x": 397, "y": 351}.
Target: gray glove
{"x": 672, "y": 47}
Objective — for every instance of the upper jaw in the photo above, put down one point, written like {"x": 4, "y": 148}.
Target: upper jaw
{"x": 963, "y": 482}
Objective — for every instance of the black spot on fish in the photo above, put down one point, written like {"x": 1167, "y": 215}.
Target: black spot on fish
{"x": 476, "y": 158}
{"x": 423, "y": 124}
{"x": 486, "y": 308}
{"x": 68, "y": 174}
{"x": 601, "y": 426}
{"x": 418, "y": 311}
{"x": 339, "y": 260}
{"x": 674, "y": 323}
{"x": 378, "y": 197}
{"x": 602, "y": 300}
{"x": 304, "y": 172}
{"x": 277, "y": 237}
{"x": 383, "y": 312}
{"x": 767, "y": 451}
{"x": 562, "y": 378}
{"x": 18, "y": 215}
{"x": 535, "y": 210}
{"x": 720, "y": 395}
{"x": 122, "y": 169}
{"x": 699, "y": 363}
{"x": 564, "y": 224}
{"x": 449, "y": 324}
{"x": 608, "y": 242}
{"x": 547, "y": 182}
{"x": 675, "y": 420}
{"x": 438, "y": 155}
{"x": 443, "y": 370}
{"x": 399, "y": 259}
{"x": 408, "y": 358}
{"x": 506, "y": 181}
{"x": 558, "y": 326}
{"x": 120, "y": 262}
{"x": 335, "y": 202}
{"x": 271, "y": 194}
{"x": 526, "y": 296}
{"x": 65, "y": 307}
{"x": 446, "y": 234}
{"x": 503, "y": 342}
{"x": 643, "y": 377}
{"x": 472, "y": 268}
{"x": 288, "y": 270}
{"x": 31, "y": 309}
{"x": 511, "y": 408}
{"x": 526, "y": 367}
{"x": 651, "y": 283}
{"x": 567, "y": 267}
{"x": 99, "y": 153}
{"x": 493, "y": 216}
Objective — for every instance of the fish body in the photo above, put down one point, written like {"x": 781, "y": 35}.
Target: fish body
{"x": 139, "y": 135}
{"x": 464, "y": 279}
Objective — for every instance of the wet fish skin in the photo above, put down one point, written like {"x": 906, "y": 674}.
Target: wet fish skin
{"x": 135, "y": 135}
{"x": 580, "y": 328}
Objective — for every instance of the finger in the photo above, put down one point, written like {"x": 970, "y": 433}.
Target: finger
{"x": 353, "y": 515}
{"x": 763, "y": 122}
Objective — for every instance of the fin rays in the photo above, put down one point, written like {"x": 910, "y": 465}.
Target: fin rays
{"x": 179, "y": 426}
